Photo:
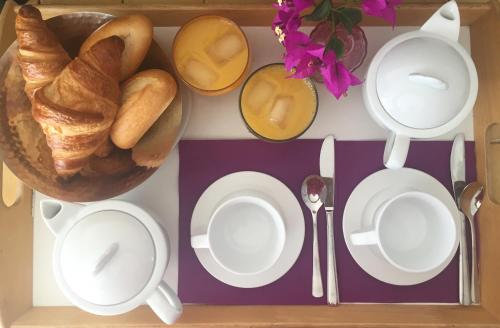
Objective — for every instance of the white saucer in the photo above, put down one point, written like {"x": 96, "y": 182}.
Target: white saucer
{"x": 363, "y": 201}
{"x": 289, "y": 208}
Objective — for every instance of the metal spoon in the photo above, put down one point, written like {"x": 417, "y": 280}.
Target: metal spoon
{"x": 314, "y": 193}
{"x": 470, "y": 201}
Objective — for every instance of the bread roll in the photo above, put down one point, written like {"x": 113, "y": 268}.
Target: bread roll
{"x": 156, "y": 144}
{"x": 135, "y": 30}
{"x": 144, "y": 98}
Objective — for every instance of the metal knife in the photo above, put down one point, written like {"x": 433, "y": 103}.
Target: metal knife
{"x": 326, "y": 168}
{"x": 457, "y": 169}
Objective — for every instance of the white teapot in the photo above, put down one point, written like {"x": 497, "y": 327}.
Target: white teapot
{"x": 110, "y": 257}
{"x": 421, "y": 84}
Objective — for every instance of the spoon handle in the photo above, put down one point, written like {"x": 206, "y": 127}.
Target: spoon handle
{"x": 465, "y": 298}
{"x": 317, "y": 285}
{"x": 474, "y": 290}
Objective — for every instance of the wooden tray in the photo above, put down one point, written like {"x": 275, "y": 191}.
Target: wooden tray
{"x": 16, "y": 225}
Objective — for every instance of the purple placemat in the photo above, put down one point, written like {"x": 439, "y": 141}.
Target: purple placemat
{"x": 204, "y": 161}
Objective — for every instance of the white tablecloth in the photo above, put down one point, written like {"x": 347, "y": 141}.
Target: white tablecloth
{"x": 219, "y": 118}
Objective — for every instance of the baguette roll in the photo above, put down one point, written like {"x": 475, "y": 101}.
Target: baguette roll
{"x": 145, "y": 96}
{"x": 137, "y": 33}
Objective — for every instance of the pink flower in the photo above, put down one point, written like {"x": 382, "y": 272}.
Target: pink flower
{"x": 301, "y": 54}
{"x": 295, "y": 48}
{"x": 384, "y": 9}
{"x": 304, "y": 57}
{"x": 288, "y": 18}
{"x": 337, "y": 77}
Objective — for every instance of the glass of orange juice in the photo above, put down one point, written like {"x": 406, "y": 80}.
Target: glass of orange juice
{"x": 276, "y": 107}
{"x": 211, "y": 54}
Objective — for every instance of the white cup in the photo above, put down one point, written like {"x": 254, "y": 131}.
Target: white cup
{"x": 245, "y": 235}
{"x": 414, "y": 231}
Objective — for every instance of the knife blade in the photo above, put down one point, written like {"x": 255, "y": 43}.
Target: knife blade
{"x": 327, "y": 157}
{"x": 457, "y": 166}
{"x": 457, "y": 170}
{"x": 327, "y": 171}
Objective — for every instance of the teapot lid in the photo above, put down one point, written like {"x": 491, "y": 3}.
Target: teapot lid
{"x": 107, "y": 258}
{"x": 423, "y": 82}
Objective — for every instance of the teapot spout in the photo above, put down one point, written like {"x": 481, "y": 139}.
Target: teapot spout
{"x": 58, "y": 214}
{"x": 445, "y": 21}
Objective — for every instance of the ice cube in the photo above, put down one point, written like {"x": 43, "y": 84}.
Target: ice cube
{"x": 259, "y": 95}
{"x": 225, "y": 48}
{"x": 281, "y": 111}
{"x": 200, "y": 75}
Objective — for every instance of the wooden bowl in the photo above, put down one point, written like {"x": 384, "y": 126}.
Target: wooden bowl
{"x": 23, "y": 145}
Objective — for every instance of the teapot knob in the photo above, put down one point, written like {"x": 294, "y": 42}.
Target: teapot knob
{"x": 445, "y": 21}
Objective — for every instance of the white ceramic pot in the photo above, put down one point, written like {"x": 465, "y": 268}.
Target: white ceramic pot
{"x": 421, "y": 84}
{"x": 110, "y": 257}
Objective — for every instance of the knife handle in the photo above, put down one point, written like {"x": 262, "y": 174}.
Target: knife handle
{"x": 332, "y": 285}
{"x": 464, "y": 274}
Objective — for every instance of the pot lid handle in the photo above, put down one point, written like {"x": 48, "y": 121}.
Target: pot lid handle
{"x": 445, "y": 21}
{"x": 428, "y": 80}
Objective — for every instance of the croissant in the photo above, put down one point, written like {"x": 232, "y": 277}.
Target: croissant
{"x": 77, "y": 109}
{"x": 40, "y": 55}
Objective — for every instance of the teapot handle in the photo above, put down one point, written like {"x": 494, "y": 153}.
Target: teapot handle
{"x": 445, "y": 21}
{"x": 57, "y": 214}
{"x": 165, "y": 303}
{"x": 364, "y": 238}
{"x": 396, "y": 151}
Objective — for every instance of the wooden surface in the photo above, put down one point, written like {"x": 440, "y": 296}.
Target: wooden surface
{"x": 171, "y": 2}
{"x": 7, "y": 36}
{"x": 12, "y": 187}
{"x": 16, "y": 259}
{"x": 485, "y": 45}
{"x": 172, "y": 14}
{"x": 16, "y": 227}
{"x": 275, "y": 316}
{"x": 87, "y": 2}
{"x": 492, "y": 152}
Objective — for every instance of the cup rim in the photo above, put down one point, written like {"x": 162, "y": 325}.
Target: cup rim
{"x": 255, "y": 133}
{"x": 380, "y": 245}
{"x": 278, "y": 219}
{"x": 211, "y": 91}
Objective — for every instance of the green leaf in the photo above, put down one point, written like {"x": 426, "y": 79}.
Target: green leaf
{"x": 349, "y": 17}
{"x": 336, "y": 45}
{"x": 320, "y": 12}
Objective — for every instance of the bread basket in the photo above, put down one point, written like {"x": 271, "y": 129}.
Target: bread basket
{"x": 22, "y": 143}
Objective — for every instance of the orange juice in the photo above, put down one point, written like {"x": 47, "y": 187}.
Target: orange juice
{"x": 276, "y": 107}
{"x": 211, "y": 54}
